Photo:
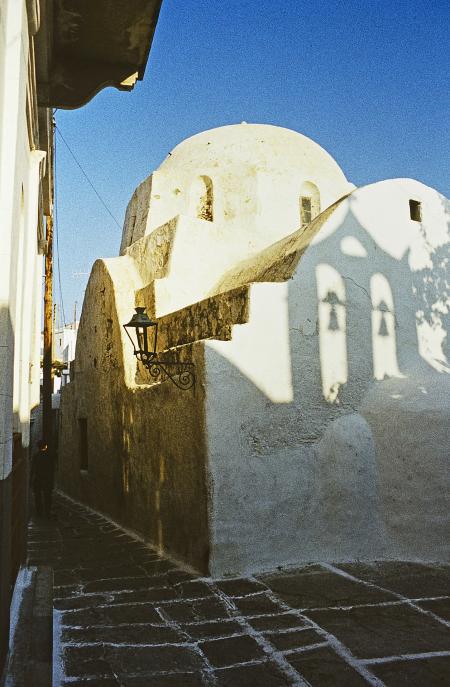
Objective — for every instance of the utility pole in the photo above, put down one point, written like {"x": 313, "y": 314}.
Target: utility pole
{"x": 55, "y": 329}
{"x": 48, "y": 335}
{"x": 47, "y": 387}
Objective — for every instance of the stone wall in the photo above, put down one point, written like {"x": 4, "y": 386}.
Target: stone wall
{"x": 146, "y": 444}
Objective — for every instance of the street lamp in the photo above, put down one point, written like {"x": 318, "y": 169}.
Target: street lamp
{"x": 144, "y": 348}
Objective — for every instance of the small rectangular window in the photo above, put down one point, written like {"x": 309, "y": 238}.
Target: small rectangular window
{"x": 306, "y": 210}
{"x": 83, "y": 443}
{"x": 415, "y": 210}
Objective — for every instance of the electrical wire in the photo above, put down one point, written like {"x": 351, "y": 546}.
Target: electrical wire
{"x": 86, "y": 176}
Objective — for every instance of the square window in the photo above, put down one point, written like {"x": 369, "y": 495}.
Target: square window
{"x": 415, "y": 210}
{"x": 306, "y": 210}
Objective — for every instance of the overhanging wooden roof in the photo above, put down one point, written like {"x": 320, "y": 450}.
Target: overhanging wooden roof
{"x": 83, "y": 46}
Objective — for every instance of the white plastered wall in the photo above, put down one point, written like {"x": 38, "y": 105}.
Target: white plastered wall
{"x": 251, "y": 166}
{"x": 12, "y": 91}
{"x": 19, "y": 262}
{"x": 28, "y": 296}
{"x": 327, "y": 414}
{"x": 321, "y": 408}
{"x": 257, "y": 173}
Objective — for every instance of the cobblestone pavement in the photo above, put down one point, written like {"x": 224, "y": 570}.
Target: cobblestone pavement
{"x": 125, "y": 616}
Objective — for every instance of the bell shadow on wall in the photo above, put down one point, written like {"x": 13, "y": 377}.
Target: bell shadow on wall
{"x": 346, "y": 328}
{"x": 355, "y": 351}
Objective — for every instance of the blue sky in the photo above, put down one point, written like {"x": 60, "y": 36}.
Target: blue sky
{"x": 367, "y": 80}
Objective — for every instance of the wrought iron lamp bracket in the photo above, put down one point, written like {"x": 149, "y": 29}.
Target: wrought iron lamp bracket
{"x": 180, "y": 373}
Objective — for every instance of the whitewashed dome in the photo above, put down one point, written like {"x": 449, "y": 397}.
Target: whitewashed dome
{"x": 251, "y": 175}
{"x": 262, "y": 146}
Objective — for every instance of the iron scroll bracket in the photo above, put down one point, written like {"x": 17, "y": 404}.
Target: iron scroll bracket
{"x": 182, "y": 374}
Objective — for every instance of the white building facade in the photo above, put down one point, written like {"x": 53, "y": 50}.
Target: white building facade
{"x": 46, "y": 61}
{"x": 25, "y": 196}
{"x": 316, "y": 316}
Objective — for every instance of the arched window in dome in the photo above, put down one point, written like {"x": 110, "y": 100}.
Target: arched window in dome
{"x": 309, "y": 202}
{"x": 202, "y": 199}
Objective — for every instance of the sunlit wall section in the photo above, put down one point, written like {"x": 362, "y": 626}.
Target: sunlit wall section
{"x": 332, "y": 330}
{"x": 384, "y": 345}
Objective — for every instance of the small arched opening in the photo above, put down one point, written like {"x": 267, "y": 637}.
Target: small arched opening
{"x": 202, "y": 199}
{"x": 309, "y": 202}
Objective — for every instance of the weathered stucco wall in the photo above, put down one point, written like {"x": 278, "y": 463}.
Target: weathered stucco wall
{"x": 21, "y": 170}
{"x": 146, "y": 448}
{"x": 318, "y": 426}
{"x": 327, "y": 414}
{"x": 257, "y": 173}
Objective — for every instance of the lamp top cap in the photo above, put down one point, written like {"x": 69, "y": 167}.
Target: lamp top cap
{"x": 140, "y": 319}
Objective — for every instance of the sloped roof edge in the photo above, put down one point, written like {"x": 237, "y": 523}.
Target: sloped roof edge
{"x": 277, "y": 262}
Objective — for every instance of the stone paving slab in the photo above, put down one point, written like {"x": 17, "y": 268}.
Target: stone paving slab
{"x": 398, "y": 629}
{"x": 304, "y": 590}
{"x": 127, "y": 617}
{"x": 429, "y": 672}
{"x": 440, "y": 607}
{"x": 265, "y": 673}
{"x": 321, "y": 666}
{"x": 407, "y": 579}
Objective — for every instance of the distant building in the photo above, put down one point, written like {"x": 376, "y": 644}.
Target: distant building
{"x": 316, "y": 316}
{"x": 53, "y": 54}
{"x": 65, "y": 339}
{"x": 64, "y": 343}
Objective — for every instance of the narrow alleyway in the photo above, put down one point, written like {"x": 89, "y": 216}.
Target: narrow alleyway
{"x": 124, "y": 616}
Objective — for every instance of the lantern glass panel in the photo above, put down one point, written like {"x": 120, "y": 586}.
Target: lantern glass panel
{"x": 142, "y": 339}
{"x": 145, "y": 337}
{"x": 154, "y": 337}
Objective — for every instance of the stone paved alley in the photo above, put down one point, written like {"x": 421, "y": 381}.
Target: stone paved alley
{"x": 123, "y": 615}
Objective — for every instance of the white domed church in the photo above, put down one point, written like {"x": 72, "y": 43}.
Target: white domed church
{"x": 314, "y": 316}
